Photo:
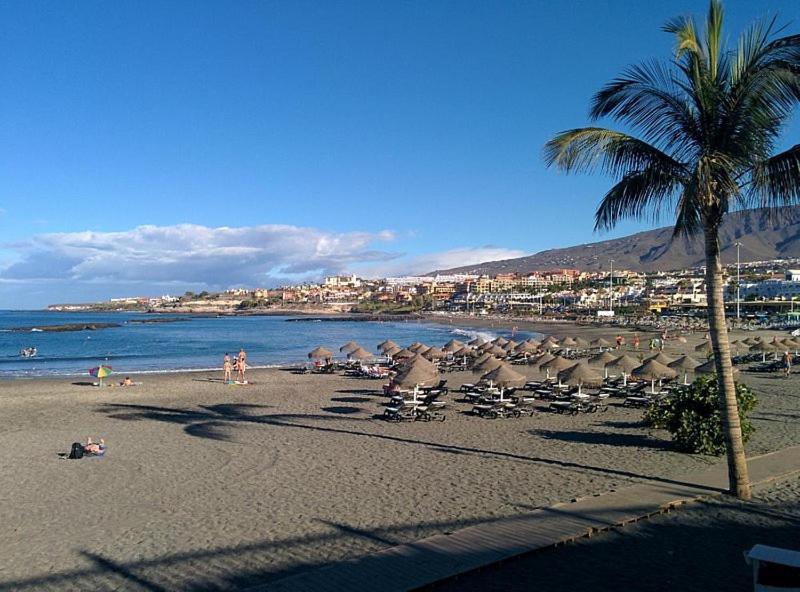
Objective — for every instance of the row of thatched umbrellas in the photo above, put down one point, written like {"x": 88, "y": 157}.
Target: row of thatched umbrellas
{"x": 417, "y": 367}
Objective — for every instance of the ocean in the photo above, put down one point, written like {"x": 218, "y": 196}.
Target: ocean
{"x": 195, "y": 343}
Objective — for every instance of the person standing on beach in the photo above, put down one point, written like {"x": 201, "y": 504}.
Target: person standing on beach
{"x": 241, "y": 365}
{"x": 636, "y": 341}
{"x": 226, "y": 367}
{"x": 787, "y": 363}
{"x": 619, "y": 341}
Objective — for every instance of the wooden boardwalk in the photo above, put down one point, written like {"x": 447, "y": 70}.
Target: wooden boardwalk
{"x": 417, "y": 564}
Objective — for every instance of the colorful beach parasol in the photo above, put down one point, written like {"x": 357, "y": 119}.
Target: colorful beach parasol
{"x": 100, "y": 372}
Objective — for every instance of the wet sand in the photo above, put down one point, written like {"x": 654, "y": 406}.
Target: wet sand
{"x": 210, "y": 486}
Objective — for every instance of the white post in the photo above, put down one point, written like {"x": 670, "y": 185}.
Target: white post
{"x": 611, "y": 286}
{"x": 738, "y": 281}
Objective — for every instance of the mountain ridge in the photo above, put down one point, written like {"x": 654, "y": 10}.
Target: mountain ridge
{"x": 764, "y": 234}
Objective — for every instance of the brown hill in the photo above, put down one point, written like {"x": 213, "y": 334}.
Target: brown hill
{"x": 764, "y": 236}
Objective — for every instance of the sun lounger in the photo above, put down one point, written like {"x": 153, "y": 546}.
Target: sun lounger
{"x": 637, "y": 401}
{"x": 565, "y": 407}
{"x": 493, "y": 411}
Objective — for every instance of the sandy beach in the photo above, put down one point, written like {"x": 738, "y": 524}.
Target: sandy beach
{"x": 211, "y": 486}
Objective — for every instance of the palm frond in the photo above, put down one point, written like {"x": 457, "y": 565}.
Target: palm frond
{"x": 648, "y": 98}
{"x": 615, "y": 153}
{"x": 775, "y": 182}
{"x": 639, "y": 195}
{"x": 714, "y": 37}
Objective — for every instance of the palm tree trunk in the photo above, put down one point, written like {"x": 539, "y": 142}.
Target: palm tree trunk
{"x": 738, "y": 479}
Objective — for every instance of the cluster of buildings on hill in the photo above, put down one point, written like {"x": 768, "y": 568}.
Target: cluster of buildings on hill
{"x": 544, "y": 291}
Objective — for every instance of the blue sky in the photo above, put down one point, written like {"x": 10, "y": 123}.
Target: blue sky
{"x": 375, "y": 136}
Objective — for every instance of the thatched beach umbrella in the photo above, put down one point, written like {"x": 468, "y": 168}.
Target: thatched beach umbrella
{"x": 686, "y": 364}
{"x": 549, "y": 342}
{"x": 419, "y": 372}
{"x": 453, "y": 346}
{"x": 764, "y": 348}
{"x": 501, "y": 341}
{"x": 526, "y": 348}
{"x": 482, "y": 357}
{"x": 652, "y": 370}
{"x": 602, "y": 359}
{"x": 505, "y": 377}
{"x": 580, "y": 374}
{"x": 465, "y": 351}
{"x": 793, "y": 344}
{"x": 556, "y": 365}
{"x": 625, "y": 364}
{"x": 703, "y": 347}
{"x": 487, "y": 365}
{"x": 320, "y": 353}
{"x": 509, "y": 345}
{"x": 601, "y": 343}
{"x": 391, "y": 351}
{"x": 581, "y": 343}
{"x": 477, "y": 342}
{"x": 496, "y": 350}
{"x": 750, "y": 341}
{"x": 388, "y": 344}
{"x": 542, "y": 359}
{"x": 348, "y": 347}
{"x": 711, "y": 368}
{"x": 360, "y": 354}
{"x": 661, "y": 358}
{"x": 404, "y": 354}
{"x": 434, "y": 353}
{"x": 417, "y": 346}
{"x": 568, "y": 342}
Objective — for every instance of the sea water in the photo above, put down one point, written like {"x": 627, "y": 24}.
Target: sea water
{"x": 195, "y": 343}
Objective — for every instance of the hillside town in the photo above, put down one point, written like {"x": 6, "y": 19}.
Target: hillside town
{"x": 754, "y": 288}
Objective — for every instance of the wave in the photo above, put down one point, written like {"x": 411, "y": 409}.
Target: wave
{"x": 15, "y": 358}
{"x": 474, "y": 333}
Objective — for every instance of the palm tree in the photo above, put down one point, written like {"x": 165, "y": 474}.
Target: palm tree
{"x": 708, "y": 123}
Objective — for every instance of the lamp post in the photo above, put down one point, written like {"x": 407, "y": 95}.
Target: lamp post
{"x": 611, "y": 286}
{"x": 738, "y": 280}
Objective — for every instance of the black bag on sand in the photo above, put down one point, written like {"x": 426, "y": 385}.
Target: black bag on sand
{"x": 77, "y": 450}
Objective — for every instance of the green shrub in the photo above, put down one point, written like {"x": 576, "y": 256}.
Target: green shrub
{"x": 692, "y": 416}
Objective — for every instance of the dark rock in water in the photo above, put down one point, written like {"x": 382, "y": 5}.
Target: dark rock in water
{"x": 67, "y": 327}
{"x": 155, "y": 320}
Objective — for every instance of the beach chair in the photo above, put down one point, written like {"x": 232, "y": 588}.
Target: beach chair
{"x": 525, "y": 405}
{"x": 431, "y": 411}
{"x": 497, "y": 409}
{"x": 565, "y": 407}
{"x": 404, "y": 411}
{"x": 440, "y": 388}
{"x": 637, "y": 401}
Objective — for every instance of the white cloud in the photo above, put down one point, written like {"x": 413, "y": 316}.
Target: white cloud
{"x": 148, "y": 260}
{"x": 428, "y": 262}
{"x": 189, "y": 253}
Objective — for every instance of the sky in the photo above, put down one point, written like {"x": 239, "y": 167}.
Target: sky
{"x": 156, "y": 147}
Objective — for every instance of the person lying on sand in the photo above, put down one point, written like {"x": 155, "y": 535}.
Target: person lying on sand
{"x": 94, "y": 447}
{"x": 79, "y": 449}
